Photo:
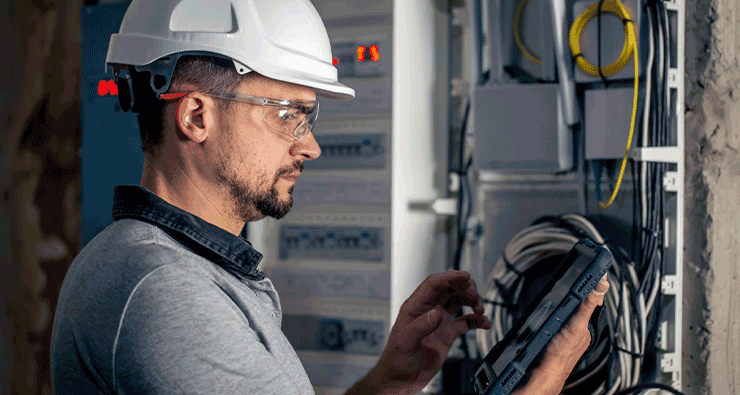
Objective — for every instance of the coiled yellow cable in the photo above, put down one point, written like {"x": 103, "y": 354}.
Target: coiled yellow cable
{"x": 613, "y": 7}
{"x": 519, "y": 42}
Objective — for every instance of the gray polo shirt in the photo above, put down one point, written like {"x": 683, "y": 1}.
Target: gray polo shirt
{"x": 164, "y": 302}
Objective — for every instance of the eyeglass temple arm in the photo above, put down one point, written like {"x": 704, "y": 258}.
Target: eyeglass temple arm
{"x": 171, "y": 96}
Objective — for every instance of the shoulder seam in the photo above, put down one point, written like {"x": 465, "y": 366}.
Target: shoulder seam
{"x": 120, "y": 324}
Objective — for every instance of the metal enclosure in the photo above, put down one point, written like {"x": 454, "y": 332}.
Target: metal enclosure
{"x": 351, "y": 250}
{"x": 520, "y": 129}
{"x": 507, "y": 202}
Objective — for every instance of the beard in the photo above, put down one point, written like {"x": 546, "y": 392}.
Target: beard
{"x": 251, "y": 204}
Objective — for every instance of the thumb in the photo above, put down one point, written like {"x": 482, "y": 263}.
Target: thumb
{"x": 596, "y": 298}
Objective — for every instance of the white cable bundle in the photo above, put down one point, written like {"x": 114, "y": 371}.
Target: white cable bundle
{"x": 545, "y": 240}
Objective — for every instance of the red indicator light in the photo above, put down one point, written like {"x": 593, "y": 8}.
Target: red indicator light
{"x": 361, "y": 53}
{"x": 102, "y": 88}
{"x": 374, "y": 53}
{"x": 335, "y": 61}
{"x": 112, "y": 87}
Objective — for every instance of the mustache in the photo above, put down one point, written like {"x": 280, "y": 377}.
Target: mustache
{"x": 297, "y": 166}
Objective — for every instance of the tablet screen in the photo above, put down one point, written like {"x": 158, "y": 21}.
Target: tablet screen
{"x": 521, "y": 334}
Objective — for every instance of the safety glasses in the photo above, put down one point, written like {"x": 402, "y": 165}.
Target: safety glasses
{"x": 291, "y": 118}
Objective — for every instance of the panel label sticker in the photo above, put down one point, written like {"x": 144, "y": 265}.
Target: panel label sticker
{"x": 374, "y": 284}
{"x": 350, "y": 151}
{"x": 332, "y": 242}
{"x": 341, "y": 190}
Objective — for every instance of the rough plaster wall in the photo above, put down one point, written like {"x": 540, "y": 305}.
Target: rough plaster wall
{"x": 39, "y": 180}
{"x": 712, "y": 287}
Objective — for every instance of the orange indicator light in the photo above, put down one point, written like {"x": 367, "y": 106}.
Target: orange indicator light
{"x": 361, "y": 53}
{"x": 374, "y": 53}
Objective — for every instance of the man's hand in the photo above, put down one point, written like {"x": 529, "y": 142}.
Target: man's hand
{"x": 423, "y": 333}
{"x": 565, "y": 348}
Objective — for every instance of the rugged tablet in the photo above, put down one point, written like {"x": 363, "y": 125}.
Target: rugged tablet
{"x": 572, "y": 281}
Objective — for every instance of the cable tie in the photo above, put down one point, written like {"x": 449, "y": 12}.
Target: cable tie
{"x": 575, "y": 57}
{"x": 650, "y": 232}
{"x": 634, "y": 354}
{"x": 510, "y": 266}
{"x": 625, "y": 21}
{"x": 603, "y": 78}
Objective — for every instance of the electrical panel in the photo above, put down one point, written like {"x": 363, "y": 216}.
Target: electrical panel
{"x": 326, "y": 189}
{"x": 351, "y": 151}
{"x": 346, "y": 335}
{"x": 522, "y": 113}
{"x": 517, "y": 132}
{"x": 371, "y": 284}
{"x": 338, "y": 339}
{"x": 362, "y": 55}
{"x": 329, "y": 258}
{"x": 327, "y": 242}
{"x": 519, "y": 36}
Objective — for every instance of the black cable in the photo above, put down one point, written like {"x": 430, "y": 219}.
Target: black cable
{"x": 649, "y": 239}
{"x": 462, "y": 220}
{"x": 666, "y": 68}
{"x": 661, "y": 168}
{"x": 650, "y": 386}
{"x": 462, "y": 173}
{"x": 636, "y": 205}
{"x": 598, "y": 44}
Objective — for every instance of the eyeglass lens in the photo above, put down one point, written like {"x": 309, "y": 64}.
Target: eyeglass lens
{"x": 294, "y": 121}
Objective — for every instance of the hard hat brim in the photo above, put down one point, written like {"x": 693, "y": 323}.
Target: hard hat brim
{"x": 122, "y": 51}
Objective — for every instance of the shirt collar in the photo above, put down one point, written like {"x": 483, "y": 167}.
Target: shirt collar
{"x": 233, "y": 253}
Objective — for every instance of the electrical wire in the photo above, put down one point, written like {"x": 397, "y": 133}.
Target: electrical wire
{"x": 626, "y": 310}
{"x": 464, "y": 203}
{"x": 629, "y": 50}
{"x": 650, "y": 386}
{"x": 633, "y": 303}
{"x": 519, "y": 42}
{"x": 462, "y": 172}
{"x": 612, "y": 7}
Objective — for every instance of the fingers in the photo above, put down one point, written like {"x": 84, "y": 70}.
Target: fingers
{"x": 439, "y": 324}
{"x": 438, "y": 284}
{"x": 450, "y": 329}
{"x": 586, "y": 309}
{"x": 467, "y": 296}
{"x": 419, "y": 328}
{"x": 451, "y": 290}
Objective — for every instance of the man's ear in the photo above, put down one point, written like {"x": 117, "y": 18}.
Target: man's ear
{"x": 195, "y": 116}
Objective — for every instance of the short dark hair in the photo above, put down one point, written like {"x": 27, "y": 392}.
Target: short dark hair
{"x": 205, "y": 72}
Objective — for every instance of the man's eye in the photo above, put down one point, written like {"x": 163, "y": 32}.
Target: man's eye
{"x": 286, "y": 115}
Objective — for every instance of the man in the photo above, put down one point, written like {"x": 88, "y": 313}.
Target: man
{"x": 168, "y": 298}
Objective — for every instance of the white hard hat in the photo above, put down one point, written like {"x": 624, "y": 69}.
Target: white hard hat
{"x": 282, "y": 39}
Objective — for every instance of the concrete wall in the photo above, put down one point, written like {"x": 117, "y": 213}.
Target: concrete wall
{"x": 39, "y": 180}
{"x": 712, "y": 287}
